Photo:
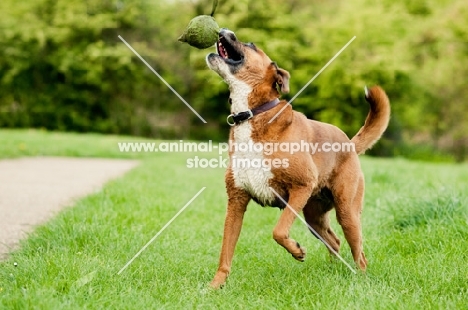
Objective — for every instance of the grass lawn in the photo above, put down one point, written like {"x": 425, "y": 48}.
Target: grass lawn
{"x": 415, "y": 226}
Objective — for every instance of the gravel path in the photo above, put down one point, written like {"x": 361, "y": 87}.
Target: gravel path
{"x": 33, "y": 189}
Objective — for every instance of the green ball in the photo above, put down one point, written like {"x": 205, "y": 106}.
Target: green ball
{"x": 201, "y": 32}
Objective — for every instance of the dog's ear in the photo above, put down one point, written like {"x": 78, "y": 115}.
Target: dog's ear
{"x": 282, "y": 79}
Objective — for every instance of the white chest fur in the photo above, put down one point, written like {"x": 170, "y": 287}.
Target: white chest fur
{"x": 247, "y": 172}
{"x": 247, "y": 167}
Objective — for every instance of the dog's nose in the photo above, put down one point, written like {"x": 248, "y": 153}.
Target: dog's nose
{"x": 224, "y": 32}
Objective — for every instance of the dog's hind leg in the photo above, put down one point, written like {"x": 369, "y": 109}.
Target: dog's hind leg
{"x": 297, "y": 200}
{"x": 348, "y": 196}
{"x": 237, "y": 204}
{"x": 316, "y": 214}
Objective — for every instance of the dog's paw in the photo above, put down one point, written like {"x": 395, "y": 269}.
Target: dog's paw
{"x": 300, "y": 256}
{"x": 219, "y": 280}
{"x": 216, "y": 285}
{"x": 362, "y": 263}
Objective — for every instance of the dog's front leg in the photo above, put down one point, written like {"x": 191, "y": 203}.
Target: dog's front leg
{"x": 297, "y": 200}
{"x": 237, "y": 204}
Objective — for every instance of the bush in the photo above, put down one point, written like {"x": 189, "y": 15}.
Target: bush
{"x": 64, "y": 68}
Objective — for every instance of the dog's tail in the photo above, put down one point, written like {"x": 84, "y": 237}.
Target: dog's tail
{"x": 376, "y": 121}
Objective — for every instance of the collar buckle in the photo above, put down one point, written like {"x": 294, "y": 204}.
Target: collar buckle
{"x": 235, "y": 119}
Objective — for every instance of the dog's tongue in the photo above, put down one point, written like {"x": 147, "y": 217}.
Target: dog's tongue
{"x": 221, "y": 50}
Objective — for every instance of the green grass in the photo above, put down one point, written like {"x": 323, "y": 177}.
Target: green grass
{"x": 415, "y": 224}
{"x": 18, "y": 143}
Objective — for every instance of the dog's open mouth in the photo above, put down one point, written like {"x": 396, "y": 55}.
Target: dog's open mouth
{"x": 227, "y": 51}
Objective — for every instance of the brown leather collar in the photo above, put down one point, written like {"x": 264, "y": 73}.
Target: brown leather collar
{"x": 236, "y": 119}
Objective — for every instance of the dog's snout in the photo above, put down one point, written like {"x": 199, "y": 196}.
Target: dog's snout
{"x": 232, "y": 36}
{"x": 228, "y": 34}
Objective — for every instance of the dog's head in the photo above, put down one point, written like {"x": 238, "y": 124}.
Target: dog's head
{"x": 236, "y": 61}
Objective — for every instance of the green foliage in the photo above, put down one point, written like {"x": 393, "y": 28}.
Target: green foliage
{"x": 66, "y": 69}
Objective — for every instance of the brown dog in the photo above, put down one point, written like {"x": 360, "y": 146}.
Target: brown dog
{"x": 313, "y": 182}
